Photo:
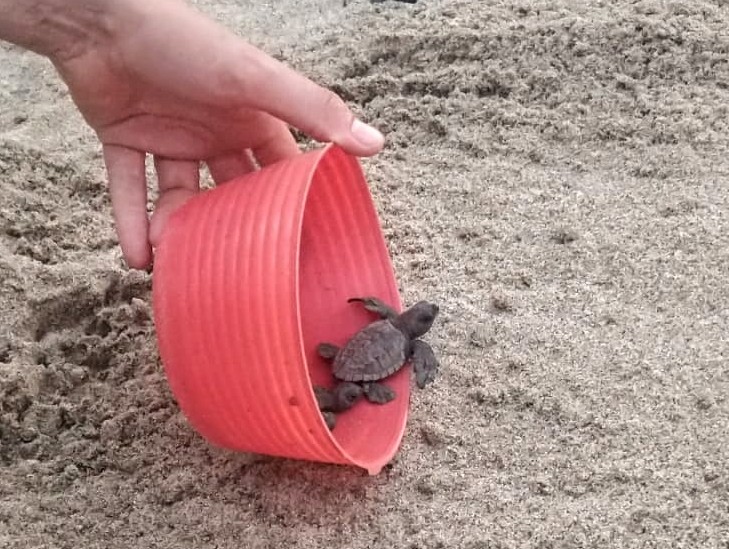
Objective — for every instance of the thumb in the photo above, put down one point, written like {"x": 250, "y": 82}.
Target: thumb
{"x": 313, "y": 109}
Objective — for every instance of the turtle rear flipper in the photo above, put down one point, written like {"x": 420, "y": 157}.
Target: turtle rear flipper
{"x": 378, "y": 393}
{"x": 327, "y": 351}
{"x": 424, "y": 363}
{"x": 376, "y": 306}
{"x": 330, "y": 419}
{"x": 324, "y": 398}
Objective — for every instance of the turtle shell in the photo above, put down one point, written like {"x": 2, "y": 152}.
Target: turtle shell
{"x": 375, "y": 352}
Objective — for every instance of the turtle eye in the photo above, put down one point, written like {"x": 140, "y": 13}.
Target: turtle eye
{"x": 352, "y": 396}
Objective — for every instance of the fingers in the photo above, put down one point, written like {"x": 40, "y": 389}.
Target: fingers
{"x": 128, "y": 191}
{"x": 274, "y": 143}
{"x": 279, "y": 145}
{"x": 225, "y": 167}
{"x": 179, "y": 180}
{"x": 277, "y": 89}
{"x": 213, "y": 66}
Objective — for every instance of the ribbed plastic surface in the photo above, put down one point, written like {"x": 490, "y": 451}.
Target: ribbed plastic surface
{"x": 248, "y": 279}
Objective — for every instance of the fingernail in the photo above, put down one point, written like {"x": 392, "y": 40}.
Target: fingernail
{"x": 367, "y": 135}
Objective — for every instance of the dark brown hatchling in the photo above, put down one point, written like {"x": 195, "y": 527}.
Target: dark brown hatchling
{"x": 375, "y": 352}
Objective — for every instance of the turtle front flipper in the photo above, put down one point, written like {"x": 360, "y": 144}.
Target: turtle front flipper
{"x": 424, "y": 363}
{"x": 376, "y": 306}
{"x": 327, "y": 351}
{"x": 378, "y": 393}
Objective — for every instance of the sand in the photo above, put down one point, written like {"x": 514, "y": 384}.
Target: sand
{"x": 556, "y": 177}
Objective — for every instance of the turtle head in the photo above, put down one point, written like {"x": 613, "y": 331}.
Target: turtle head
{"x": 418, "y": 319}
{"x": 345, "y": 395}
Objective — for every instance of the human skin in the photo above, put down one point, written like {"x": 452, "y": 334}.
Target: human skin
{"x": 158, "y": 77}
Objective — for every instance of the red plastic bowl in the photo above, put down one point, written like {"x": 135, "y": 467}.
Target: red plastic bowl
{"x": 249, "y": 277}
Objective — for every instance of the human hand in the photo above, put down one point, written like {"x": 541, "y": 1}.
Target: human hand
{"x": 162, "y": 79}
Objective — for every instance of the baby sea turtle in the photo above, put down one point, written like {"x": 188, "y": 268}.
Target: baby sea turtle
{"x": 375, "y": 352}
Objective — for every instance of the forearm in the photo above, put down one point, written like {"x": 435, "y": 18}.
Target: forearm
{"x": 56, "y": 28}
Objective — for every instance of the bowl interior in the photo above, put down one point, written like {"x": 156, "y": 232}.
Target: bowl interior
{"x": 342, "y": 254}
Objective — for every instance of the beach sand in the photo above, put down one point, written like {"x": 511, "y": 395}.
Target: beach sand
{"x": 555, "y": 177}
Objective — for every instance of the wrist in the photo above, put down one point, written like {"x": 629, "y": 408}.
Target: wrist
{"x": 57, "y": 29}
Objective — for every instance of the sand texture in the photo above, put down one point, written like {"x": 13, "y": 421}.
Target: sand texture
{"x": 556, "y": 177}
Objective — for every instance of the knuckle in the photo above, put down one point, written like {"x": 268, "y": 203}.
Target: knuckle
{"x": 331, "y": 102}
